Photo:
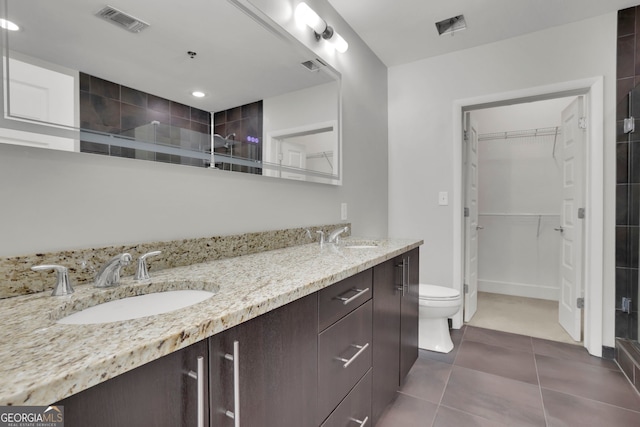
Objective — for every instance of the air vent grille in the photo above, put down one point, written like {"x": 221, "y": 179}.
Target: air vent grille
{"x": 314, "y": 64}
{"x": 451, "y": 25}
{"x": 122, "y": 19}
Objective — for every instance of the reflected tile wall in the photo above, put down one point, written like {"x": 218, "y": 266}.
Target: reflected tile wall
{"x": 109, "y": 107}
{"x": 627, "y": 174}
{"x": 246, "y": 122}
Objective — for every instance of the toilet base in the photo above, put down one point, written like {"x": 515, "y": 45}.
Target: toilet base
{"x": 433, "y": 335}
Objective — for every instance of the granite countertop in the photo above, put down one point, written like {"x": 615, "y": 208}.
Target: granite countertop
{"x": 42, "y": 361}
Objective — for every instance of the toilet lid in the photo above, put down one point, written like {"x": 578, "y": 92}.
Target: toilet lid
{"x": 437, "y": 292}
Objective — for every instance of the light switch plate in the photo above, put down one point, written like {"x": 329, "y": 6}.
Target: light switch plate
{"x": 343, "y": 212}
{"x": 443, "y": 198}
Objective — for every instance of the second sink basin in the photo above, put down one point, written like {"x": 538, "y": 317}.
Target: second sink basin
{"x": 137, "y": 307}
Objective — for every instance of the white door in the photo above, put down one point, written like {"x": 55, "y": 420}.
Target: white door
{"x": 471, "y": 220}
{"x": 41, "y": 94}
{"x": 573, "y": 144}
{"x": 293, "y": 155}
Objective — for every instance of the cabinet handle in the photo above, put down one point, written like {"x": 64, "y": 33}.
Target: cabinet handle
{"x": 199, "y": 376}
{"x": 362, "y": 423}
{"x": 408, "y": 270}
{"x": 360, "y": 292}
{"x": 235, "y": 357}
{"x": 348, "y": 362}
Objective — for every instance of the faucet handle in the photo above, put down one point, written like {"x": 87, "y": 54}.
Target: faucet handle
{"x": 63, "y": 285}
{"x": 142, "y": 273}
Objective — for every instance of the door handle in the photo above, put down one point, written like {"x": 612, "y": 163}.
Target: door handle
{"x": 479, "y": 227}
{"x": 560, "y": 229}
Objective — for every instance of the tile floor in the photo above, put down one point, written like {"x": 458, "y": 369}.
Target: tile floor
{"x": 519, "y": 315}
{"x": 499, "y": 379}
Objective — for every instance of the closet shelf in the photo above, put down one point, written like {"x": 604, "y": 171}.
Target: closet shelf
{"x": 516, "y": 214}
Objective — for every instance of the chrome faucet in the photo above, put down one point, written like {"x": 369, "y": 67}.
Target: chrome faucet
{"x": 109, "y": 274}
{"x": 334, "y": 236}
{"x": 63, "y": 285}
{"x": 142, "y": 273}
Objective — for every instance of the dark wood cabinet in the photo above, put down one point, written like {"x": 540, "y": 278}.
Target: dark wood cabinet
{"x": 344, "y": 356}
{"x": 409, "y": 312}
{"x": 160, "y": 393}
{"x": 395, "y": 327}
{"x": 386, "y": 337}
{"x": 332, "y": 358}
{"x": 278, "y": 364}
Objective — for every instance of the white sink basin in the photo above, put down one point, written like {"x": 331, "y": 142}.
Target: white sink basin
{"x": 136, "y": 307}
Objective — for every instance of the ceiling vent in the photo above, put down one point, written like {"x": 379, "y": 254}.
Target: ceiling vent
{"x": 451, "y": 25}
{"x": 314, "y": 64}
{"x": 122, "y": 19}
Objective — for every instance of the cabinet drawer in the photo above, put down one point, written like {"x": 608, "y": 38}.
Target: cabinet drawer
{"x": 337, "y": 300}
{"x": 344, "y": 356}
{"x": 355, "y": 408}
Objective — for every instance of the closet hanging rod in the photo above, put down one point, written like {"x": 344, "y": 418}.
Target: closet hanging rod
{"x": 520, "y": 134}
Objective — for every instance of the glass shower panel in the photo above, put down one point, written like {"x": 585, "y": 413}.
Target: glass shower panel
{"x": 632, "y": 128}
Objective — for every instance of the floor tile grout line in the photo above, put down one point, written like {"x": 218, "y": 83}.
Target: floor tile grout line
{"x": 590, "y": 399}
{"x": 470, "y": 413}
{"x": 544, "y": 410}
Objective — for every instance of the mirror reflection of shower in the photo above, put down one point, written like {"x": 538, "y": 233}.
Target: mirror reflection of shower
{"x": 226, "y": 142}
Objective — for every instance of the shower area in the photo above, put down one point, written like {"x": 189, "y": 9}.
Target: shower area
{"x": 519, "y": 218}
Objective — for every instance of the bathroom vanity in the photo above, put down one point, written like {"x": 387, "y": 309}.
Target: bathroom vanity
{"x": 300, "y": 336}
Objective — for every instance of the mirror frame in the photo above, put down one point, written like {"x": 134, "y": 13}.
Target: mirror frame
{"x": 34, "y": 126}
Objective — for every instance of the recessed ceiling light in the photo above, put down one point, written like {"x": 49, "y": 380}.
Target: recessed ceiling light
{"x": 8, "y": 25}
{"x": 198, "y": 94}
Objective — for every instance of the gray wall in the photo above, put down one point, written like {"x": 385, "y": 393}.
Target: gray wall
{"x": 57, "y": 200}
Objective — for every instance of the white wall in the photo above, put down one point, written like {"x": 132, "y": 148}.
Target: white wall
{"x": 421, "y": 97}
{"x": 54, "y": 200}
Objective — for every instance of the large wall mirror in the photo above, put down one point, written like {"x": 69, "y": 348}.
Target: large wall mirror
{"x": 204, "y": 83}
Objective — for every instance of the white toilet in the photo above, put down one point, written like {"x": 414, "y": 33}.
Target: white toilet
{"x": 437, "y": 304}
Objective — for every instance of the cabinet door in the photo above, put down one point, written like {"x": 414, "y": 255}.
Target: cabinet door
{"x": 160, "y": 393}
{"x": 409, "y": 310}
{"x": 278, "y": 365}
{"x": 386, "y": 337}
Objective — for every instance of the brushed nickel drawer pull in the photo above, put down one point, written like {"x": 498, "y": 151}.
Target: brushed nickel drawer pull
{"x": 235, "y": 357}
{"x": 199, "y": 376}
{"x": 360, "y": 292}
{"x": 362, "y": 423}
{"x": 348, "y": 362}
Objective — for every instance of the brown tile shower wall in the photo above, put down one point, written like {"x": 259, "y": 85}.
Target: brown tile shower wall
{"x": 627, "y": 174}
{"x": 109, "y": 107}
{"x": 246, "y": 123}
{"x": 17, "y": 279}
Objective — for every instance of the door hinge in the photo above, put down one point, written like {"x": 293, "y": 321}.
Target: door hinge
{"x": 466, "y": 212}
{"x": 629, "y": 125}
{"x": 580, "y": 303}
{"x": 466, "y": 135}
{"x": 580, "y": 213}
{"x": 582, "y": 122}
{"x": 466, "y": 288}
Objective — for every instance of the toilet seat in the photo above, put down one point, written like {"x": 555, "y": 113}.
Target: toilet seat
{"x": 437, "y": 293}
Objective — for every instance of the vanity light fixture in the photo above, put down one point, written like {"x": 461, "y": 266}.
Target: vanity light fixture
{"x": 8, "y": 25}
{"x": 309, "y": 17}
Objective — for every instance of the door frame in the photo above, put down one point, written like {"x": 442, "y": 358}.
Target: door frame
{"x": 593, "y": 89}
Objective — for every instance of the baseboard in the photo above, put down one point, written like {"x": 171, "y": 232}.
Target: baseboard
{"x": 519, "y": 289}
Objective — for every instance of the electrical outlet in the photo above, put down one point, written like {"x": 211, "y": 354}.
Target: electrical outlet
{"x": 343, "y": 212}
